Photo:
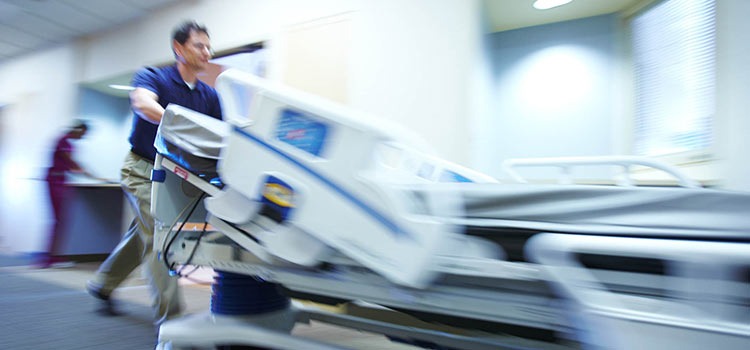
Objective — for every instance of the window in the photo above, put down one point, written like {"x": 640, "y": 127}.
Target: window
{"x": 673, "y": 45}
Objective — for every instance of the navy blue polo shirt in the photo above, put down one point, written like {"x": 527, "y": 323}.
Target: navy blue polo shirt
{"x": 167, "y": 83}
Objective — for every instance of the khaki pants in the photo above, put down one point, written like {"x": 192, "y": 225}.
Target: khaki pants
{"x": 136, "y": 246}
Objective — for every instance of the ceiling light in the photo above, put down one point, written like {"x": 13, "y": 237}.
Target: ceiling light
{"x": 548, "y": 4}
{"x": 121, "y": 87}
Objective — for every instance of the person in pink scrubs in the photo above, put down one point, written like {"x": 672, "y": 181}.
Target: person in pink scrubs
{"x": 59, "y": 192}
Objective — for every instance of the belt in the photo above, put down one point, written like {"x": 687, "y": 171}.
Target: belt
{"x": 141, "y": 157}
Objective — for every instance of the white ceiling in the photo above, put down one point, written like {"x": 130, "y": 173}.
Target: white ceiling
{"x": 31, "y": 25}
{"x": 513, "y": 14}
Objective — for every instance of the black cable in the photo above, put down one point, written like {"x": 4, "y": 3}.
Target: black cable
{"x": 192, "y": 253}
{"x": 197, "y": 281}
{"x": 165, "y": 248}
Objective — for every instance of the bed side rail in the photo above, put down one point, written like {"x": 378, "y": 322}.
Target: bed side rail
{"x": 626, "y": 163}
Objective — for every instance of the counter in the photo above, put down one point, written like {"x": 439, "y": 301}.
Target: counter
{"x": 97, "y": 218}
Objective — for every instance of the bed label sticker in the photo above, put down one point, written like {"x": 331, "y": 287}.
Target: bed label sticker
{"x": 181, "y": 172}
{"x": 301, "y": 131}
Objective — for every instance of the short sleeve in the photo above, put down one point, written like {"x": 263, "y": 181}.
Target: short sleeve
{"x": 146, "y": 78}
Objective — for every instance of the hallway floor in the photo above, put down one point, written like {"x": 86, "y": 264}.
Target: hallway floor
{"x": 49, "y": 309}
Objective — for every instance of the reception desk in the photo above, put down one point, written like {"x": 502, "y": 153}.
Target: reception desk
{"x": 97, "y": 217}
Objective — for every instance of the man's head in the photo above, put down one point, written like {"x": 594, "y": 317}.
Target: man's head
{"x": 191, "y": 45}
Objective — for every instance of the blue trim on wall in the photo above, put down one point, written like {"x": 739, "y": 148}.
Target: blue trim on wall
{"x": 374, "y": 213}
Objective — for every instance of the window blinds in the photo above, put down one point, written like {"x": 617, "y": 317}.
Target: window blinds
{"x": 674, "y": 57}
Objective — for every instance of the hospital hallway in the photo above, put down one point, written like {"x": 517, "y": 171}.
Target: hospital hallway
{"x": 50, "y": 309}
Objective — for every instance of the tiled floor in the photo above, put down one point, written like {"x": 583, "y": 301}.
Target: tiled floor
{"x": 133, "y": 297}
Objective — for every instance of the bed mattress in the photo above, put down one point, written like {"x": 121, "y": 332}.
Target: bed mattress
{"x": 192, "y": 140}
{"x": 195, "y": 142}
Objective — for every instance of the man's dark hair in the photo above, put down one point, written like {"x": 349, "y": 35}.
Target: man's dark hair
{"x": 181, "y": 33}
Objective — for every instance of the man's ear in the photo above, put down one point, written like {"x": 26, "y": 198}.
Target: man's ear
{"x": 177, "y": 50}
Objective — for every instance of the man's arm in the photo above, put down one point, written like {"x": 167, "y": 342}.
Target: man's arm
{"x": 145, "y": 104}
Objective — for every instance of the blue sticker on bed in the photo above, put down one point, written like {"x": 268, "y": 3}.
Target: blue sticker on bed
{"x": 301, "y": 131}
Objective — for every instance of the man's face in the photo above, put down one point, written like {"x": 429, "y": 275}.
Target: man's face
{"x": 195, "y": 52}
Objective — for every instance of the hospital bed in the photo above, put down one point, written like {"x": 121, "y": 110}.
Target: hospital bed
{"x": 300, "y": 199}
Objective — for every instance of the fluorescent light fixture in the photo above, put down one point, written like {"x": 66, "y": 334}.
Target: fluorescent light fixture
{"x": 548, "y": 4}
{"x": 121, "y": 87}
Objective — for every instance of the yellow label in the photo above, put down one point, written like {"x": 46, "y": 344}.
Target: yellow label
{"x": 279, "y": 194}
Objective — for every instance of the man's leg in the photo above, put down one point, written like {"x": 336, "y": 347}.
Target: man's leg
{"x": 128, "y": 254}
{"x": 120, "y": 263}
{"x": 165, "y": 293}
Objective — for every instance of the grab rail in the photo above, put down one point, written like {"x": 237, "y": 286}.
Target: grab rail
{"x": 625, "y": 162}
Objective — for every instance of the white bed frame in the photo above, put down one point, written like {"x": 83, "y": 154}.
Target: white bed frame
{"x": 356, "y": 233}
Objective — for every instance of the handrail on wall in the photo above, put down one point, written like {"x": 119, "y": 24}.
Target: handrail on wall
{"x": 625, "y": 162}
